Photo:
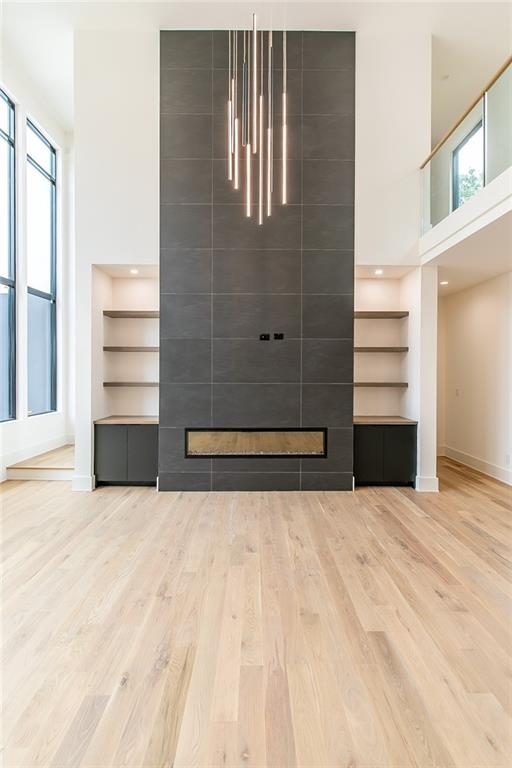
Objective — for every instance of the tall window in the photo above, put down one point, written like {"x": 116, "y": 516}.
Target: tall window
{"x": 7, "y": 263}
{"x": 468, "y": 166}
{"x": 41, "y": 272}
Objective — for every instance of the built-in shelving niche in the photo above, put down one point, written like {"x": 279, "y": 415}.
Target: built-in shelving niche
{"x": 381, "y": 348}
{"x": 126, "y": 375}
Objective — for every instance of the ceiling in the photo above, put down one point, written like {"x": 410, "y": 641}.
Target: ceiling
{"x": 470, "y": 40}
{"x": 130, "y": 271}
{"x": 481, "y": 256}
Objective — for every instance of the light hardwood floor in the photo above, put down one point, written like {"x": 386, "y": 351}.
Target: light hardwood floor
{"x": 59, "y": 458}
{"x": 264, "y": 629}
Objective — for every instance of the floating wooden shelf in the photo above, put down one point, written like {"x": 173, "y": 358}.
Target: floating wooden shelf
{"x": 131, "y": 313}
{"x": 380, "y": 315}
{"x": 400, "y": 384}
{"x": 128, "y": 420}
{"x": 131, "y": 349}
{"x": 381, "y": 349}
{"x": 130, "y": 383}
{"x": 383, "y": 420}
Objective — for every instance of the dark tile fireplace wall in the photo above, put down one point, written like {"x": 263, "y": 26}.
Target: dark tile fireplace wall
{"x": 225, "y": 280}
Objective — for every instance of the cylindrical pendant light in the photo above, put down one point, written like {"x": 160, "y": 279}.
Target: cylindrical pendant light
{"x": 230, "y": 113}
{"x": 284, "y": 149}
{"x": 269, "y": 126}
{"x": 247, "y": 122}
{"x": 254, "y": 139}
{"x": 260, "y": 136}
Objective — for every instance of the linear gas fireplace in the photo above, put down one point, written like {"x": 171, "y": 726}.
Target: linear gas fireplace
{"x": 261, "y": 443}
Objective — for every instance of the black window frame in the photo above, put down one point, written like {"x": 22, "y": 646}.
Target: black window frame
{"x": 456, "y": 203}
{"x": 10, "y": 280}
{"x": 52, "y": 296}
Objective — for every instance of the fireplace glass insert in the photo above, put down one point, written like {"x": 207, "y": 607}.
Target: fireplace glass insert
{"x": 240, "y": 443}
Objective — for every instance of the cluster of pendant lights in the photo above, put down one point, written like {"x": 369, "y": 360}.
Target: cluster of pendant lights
{"x": 251, "y": 128}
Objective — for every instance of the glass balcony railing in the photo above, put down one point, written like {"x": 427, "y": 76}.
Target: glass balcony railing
{"x": 473, "y": 153}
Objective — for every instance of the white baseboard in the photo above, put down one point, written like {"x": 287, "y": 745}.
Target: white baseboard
{"x": 493, "y": 470}
{"x": 427, "y": 484}
{"x": 441, "y": 450}
{"x": 86, "y": 483}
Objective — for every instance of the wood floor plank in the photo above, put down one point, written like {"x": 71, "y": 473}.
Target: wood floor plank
{"x": 272, "y": 630}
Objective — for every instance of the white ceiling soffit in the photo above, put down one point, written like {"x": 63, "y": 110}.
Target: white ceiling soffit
{"x": 470, "y": 40}
{"x": 383, "y": 272}
{"x": 481, "y": 256}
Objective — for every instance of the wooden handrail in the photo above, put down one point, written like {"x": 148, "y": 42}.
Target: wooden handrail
{"x": 467, "y": 111}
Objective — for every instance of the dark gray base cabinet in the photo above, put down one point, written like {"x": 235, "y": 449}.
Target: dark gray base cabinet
{"x": 126, "y": 454}
{"x": 385, "y": 454}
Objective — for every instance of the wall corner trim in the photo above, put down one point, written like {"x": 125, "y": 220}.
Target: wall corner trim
{"x": 427, "y": 484}
{"x": 87, "y": 483}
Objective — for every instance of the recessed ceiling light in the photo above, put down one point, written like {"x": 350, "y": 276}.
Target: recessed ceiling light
{"x": 443, "y": 282}
{"x": 379, "y": 271}
{"x": 134, "y": 271}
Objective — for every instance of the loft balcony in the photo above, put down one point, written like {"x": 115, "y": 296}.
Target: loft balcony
{"x": 472, "y": 154}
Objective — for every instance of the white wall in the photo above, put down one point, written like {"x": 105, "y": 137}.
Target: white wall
{"x": 116, "y": 86}
{"x": 116, "y": 82}
{"x": 477, "y": 380}
{"x": 28, "y": 435}
{"x": 392, "y": 139}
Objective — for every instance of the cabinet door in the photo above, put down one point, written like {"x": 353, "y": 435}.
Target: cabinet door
{"x": 143, "y": 453}
{"x": 400, "y": 454}
{"x": 368, "y": 454}
{"x": 110, "y": 456}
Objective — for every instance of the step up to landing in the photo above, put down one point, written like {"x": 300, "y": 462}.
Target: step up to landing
{"x": 58, "y": 464}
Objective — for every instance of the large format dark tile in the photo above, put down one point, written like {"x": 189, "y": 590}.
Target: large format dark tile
{"x": 184, "y": 481}
{"x": 185, "y": 316}
{"x": 183, "y": 360}
{"x": 328, "y": 137}
{"x": 171, "y": 453}
{"x": 186, "y": 136}
{"x": 294, "y": 95}
{"x": 328, "y": 95}
{"x": 328, "y": 226}
{"x": 327, "y": 405}
{"x": 185, "y": 49}
{"x": 185, "y": 270}
{"x": 185, "y": 405}
{"x": 329, "y": 50}
{"x": 293, "y": 137}
{"x": 327, "y": 317}
{"x": 185, "y": 226}
{"x": 255, "y": 481}
{"x": 272, "y": 271}
{"x": 340, "y": 448}
{"x": 256, "y": 405}
{"x": 328, "y": 182}
{"x": 293, "y": 45}
{"x": 232, "y": 229}
{"x": 184, "y": 180}
{"x": 224, "y": 191}
{"x": 327, "y": 360}
{"x": 255, "y": 464}
{"x": 256, "y": 361}
{"x": 326, "y": 481}
{"x": 328, "y": 271}
{"x": 186, "y": 91}
{"x": 249, "y": 315}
